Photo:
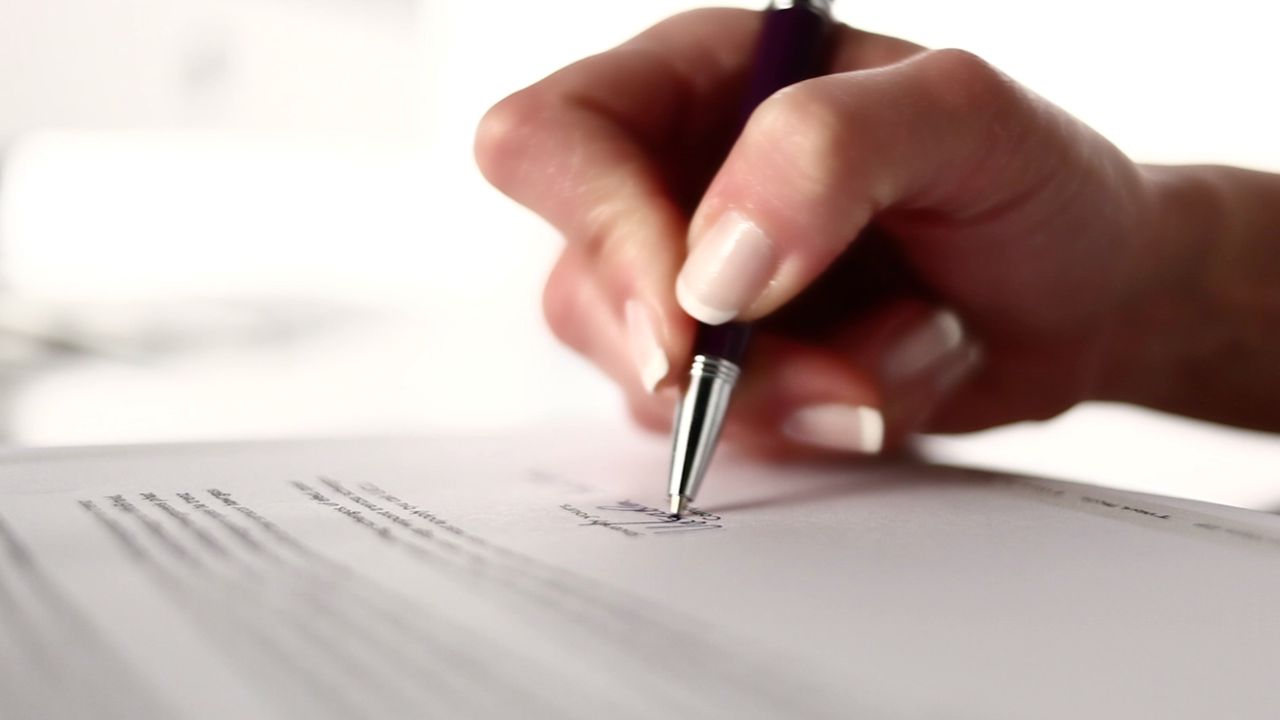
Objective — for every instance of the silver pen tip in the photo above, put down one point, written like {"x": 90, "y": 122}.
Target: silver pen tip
{"x": 697, "y": 427}
{"x": 679, "y": 504}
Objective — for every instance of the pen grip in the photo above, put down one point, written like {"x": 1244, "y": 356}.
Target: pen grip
{"x": 728, "y": 341}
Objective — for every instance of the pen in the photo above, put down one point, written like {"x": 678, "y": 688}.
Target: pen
{"x": 792, "y": 47}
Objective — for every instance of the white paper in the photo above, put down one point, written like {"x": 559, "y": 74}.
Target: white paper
{"x": 535, "y": 577}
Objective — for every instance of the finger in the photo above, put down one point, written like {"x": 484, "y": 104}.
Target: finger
{"x": 595, "y": 183}
{"x": 783, "y": 377}
{"x": 580, "y": 152}
{"x": 586, "y": 148}
{"x": 940, "y": 132}
{"x": 679, "y": 78}
{"x": 576, "y": 151}
{"x": 866, "y": 391}
{"x": 1017, "y": 383}
{"x": 575, "y": 309}
{"x": 922, "y": 356}
{"x": 589, "y": 132}
{"x": 574, "y": 304}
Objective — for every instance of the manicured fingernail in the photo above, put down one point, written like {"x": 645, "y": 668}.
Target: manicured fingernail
{"x": 727, "y": 270}
{"x": 924, "y": 345}
{"x": 650, "y": 359}
{"x": 963, "y": 365}
{"x": 851, "y": 428}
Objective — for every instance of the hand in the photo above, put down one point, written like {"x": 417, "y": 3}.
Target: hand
{"x": 1008, "y": 240}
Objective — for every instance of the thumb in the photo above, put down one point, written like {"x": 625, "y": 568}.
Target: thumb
{"x": 941, "y": 132}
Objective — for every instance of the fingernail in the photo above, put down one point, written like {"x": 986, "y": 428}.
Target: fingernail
{"x": 646, "y": 351}
{"x": 727, "y": 270}
{"x": 852, "y": 428}
{"x": 924, "y": 345}
{"x": 965, "y": 363}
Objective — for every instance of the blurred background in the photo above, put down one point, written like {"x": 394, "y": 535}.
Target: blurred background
{"x": 230, "y": 219}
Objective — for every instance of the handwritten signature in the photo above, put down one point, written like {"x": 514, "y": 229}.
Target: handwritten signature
{"x": 645, "y": 520}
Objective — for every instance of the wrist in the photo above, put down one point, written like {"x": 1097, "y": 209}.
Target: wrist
{"x": 1149, "y": 344}
{"x": 1197, "y": 336}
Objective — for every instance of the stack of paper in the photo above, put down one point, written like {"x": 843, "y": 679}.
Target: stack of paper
{"x": 537, "y": 577}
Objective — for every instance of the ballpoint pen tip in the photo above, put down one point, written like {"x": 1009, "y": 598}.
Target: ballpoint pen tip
{"x": 678, "y": 505}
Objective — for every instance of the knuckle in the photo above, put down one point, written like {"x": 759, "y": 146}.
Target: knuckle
{"x": 803, "y": 133}
{"x": 504, "y": 131}
{"x": 963, "y": 82}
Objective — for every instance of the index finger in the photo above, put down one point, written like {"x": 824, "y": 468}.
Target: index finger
{"x": 613, "y": 150}
{"x": 596, "y": 130}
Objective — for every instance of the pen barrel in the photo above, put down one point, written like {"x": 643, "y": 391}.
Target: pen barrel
{"x": 793, "y": 47}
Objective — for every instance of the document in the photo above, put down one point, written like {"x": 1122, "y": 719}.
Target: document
{"x": 538, "y": 576}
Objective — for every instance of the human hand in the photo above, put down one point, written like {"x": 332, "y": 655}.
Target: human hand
{"x": 1016, "y": 238}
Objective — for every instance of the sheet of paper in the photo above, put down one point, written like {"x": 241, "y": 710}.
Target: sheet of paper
{"x": 536, "y": 577}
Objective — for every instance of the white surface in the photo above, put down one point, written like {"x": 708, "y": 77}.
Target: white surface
{"x": 524, "y": 575}
{"x": 350, "y": 66}
{"x": 1134, "y": 449}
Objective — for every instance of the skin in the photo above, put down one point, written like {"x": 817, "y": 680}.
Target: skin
{"x": 1077, "y": 273}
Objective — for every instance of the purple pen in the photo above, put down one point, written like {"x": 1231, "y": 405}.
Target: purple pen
{"x": 792, "y": 47}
